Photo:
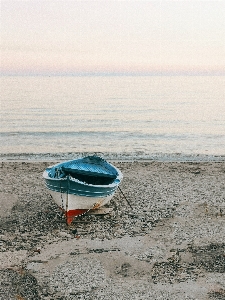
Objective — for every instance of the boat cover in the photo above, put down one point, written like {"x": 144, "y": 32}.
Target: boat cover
{"x": 90, "y": 166}
{"x": 90, "y": 176}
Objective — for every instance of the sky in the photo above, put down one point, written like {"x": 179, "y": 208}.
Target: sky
{"x": 146, "y": 37}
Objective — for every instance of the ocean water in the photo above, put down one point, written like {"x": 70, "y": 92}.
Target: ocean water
{"x": 133, "y": 116}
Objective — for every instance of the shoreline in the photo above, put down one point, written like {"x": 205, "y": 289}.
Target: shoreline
{"x": 125, "y": 157}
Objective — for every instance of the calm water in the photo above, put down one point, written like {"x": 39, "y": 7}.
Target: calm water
{"x": 139, "y": 115}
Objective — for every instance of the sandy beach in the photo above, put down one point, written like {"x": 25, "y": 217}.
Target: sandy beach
{"x": 169, "y": 245}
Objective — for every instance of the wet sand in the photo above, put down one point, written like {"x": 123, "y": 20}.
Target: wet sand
{"x": 169, "y": 246}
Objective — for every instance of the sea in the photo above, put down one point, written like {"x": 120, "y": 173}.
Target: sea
{"x": 125, "y": 117}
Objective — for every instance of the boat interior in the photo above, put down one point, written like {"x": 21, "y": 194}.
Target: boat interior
{"x": 91, "y": 179}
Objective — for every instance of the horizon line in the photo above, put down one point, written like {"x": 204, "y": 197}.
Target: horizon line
{"x": 108, "y": 74}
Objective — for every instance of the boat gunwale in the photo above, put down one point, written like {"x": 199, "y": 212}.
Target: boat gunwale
{"x": 115, "y": 182}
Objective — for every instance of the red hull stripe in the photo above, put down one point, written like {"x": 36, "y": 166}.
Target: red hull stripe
{"x": 74, "y": 213}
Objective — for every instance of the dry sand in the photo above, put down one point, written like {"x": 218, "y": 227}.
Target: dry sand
{"x": 169, "y": 246}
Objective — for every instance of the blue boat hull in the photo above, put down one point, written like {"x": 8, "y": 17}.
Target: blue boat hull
{"x": 73, "y": 186}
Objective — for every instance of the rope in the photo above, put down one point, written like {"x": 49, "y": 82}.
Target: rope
{"x": 125, "y": 197}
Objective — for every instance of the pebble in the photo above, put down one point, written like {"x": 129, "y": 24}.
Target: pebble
{"x": 3, "y": 238}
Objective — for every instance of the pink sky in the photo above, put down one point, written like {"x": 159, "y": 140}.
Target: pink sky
{"x": 119, "y": 37}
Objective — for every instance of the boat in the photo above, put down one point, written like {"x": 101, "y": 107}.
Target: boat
{"x": 83, "y": 184}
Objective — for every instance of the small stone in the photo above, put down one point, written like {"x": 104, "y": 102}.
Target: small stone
{"x": 74, "y": 231}
{"x": 3, "y": 238}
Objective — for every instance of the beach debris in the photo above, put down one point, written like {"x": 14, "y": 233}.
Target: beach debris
{"x": 101, "y": 250}
{"x": 37, "y": 250}
{"x": 74, "y": 231}
{"x": 95, "y": 250}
